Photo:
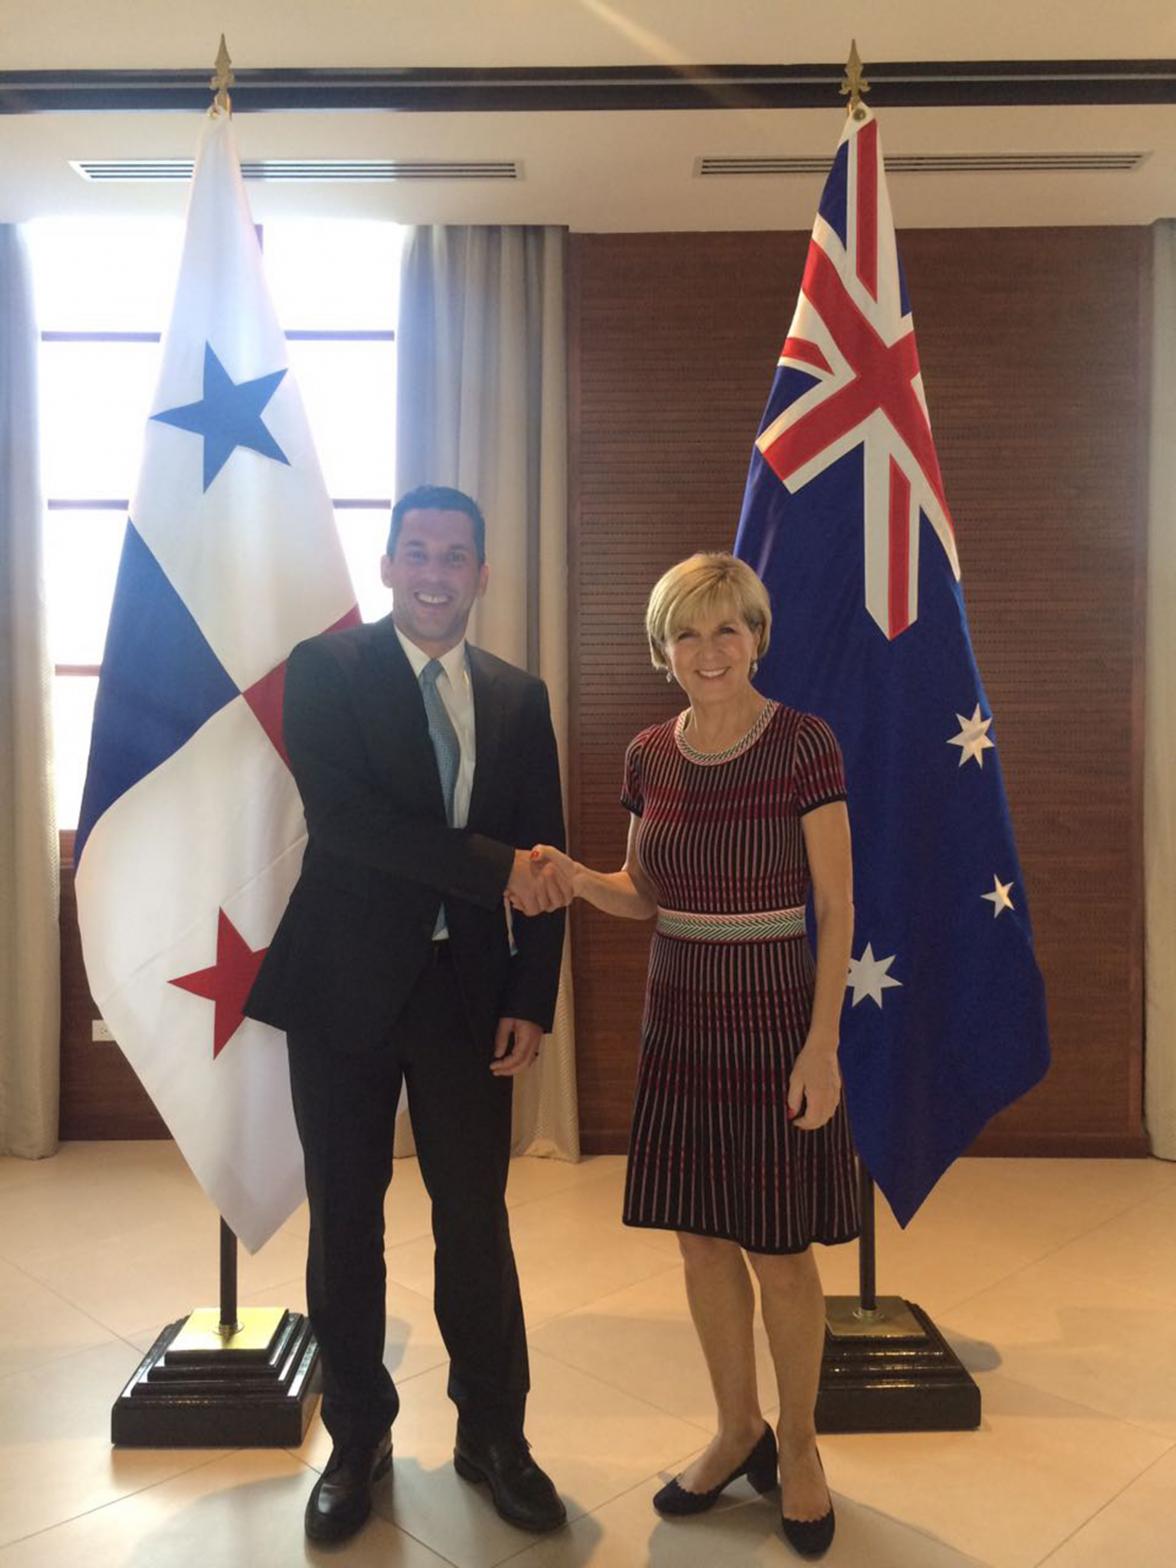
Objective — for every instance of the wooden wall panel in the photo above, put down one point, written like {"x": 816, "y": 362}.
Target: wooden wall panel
{"x": 1034, "y": 358}
{"x": 1032, "y": 344}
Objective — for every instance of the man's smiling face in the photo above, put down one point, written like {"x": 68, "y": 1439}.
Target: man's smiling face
{"x": 435, "y": 577}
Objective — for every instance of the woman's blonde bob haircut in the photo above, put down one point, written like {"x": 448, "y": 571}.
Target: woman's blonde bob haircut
{"x": 706, "y": 586}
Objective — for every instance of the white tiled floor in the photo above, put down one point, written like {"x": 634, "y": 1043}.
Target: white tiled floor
{"x": 1056, "y": 1281}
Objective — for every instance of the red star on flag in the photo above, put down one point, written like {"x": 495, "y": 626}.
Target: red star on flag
{"x": 227, "y": 982}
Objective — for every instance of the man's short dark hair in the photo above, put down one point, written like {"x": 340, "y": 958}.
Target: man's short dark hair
{"x": 438, "y": 498}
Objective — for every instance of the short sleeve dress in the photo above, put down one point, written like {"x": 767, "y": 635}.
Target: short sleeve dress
{"x": 730, "y": 989}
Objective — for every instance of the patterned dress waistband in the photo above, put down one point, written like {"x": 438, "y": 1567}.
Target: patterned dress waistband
{"x": 767, "y": 925}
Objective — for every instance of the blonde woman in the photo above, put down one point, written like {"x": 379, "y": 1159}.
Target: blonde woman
{"x": 740, "y": 1142}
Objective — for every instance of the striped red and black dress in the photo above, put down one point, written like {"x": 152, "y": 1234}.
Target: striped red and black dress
{"x": 728, "y": 1000}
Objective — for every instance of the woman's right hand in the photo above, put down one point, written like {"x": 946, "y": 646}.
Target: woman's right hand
{"x": 614, "y": 892}
{"x": 564, "y": 867}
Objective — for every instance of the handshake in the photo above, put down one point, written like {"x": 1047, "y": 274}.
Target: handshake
{"x": 541, "y": 880}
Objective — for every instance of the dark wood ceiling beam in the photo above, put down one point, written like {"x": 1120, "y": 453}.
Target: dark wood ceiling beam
{"x": 910, "y": 84}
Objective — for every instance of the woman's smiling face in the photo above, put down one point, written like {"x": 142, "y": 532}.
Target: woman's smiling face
{"x": 711, "y": 656}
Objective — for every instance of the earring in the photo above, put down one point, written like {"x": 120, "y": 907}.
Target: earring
{"x": 669, "y": 677}
{"x": 754, "y": 668}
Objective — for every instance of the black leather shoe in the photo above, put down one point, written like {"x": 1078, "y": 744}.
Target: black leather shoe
{"x": 522, "y": 1493}
{"x": 810, "y": 1537}
{"x": 759, "y": 1467}
{"x": 342, "y": 1496}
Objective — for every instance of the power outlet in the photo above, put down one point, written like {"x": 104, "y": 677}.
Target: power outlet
{"x": 100, "y": 1031}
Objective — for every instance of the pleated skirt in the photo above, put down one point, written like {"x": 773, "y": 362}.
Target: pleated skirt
{"x": 712, "y": 1150}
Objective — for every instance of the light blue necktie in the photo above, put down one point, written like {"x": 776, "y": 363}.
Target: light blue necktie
{"x": 446, "y": 745}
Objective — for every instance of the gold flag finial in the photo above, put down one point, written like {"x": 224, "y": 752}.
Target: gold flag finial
{"x": 854, "y": 83}
{"x": 221, "y": 80}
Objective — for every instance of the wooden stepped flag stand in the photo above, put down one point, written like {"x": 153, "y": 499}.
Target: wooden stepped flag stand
{"x": 222, "y": 1378}
{"x": 886, "y": 1367}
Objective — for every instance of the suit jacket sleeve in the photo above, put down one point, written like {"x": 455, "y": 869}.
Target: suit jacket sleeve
{"x": 534, "y": 982}
{"x": 345, "y": 811}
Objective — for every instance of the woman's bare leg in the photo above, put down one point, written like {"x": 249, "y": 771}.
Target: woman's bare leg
{"x": 722, "y": 1305}
{"x": 793, "y": 1307}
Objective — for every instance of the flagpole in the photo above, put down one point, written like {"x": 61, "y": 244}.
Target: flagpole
{"x": 867, "y": 1254}
{"x": 228, "y": 1281}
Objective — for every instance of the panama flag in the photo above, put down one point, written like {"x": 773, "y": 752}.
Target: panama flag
{"x": 191, "y": 830}
{"x": 846, "y": 519}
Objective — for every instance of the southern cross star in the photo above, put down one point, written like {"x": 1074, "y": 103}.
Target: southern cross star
{"x": 868, "y": 976}
{"x": 973, "y": 738}
{"x": 999, "y": 897}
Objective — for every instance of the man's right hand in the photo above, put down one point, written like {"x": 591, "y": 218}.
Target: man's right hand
{"x": 534, "y": 887}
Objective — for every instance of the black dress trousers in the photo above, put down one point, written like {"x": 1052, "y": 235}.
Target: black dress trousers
{"x": 345, "y": 1106}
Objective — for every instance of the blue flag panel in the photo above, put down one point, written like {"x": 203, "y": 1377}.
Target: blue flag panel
{"x": 160, "y": 682}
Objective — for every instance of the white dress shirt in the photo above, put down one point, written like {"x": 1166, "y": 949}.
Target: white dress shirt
{"x": 457, "y": 694}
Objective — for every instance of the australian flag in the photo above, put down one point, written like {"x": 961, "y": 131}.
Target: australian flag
{"x": 845, "y": 519}
{"x": 191, "y": 831}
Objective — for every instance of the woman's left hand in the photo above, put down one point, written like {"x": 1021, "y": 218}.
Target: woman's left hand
{"x": 815, "y": 1083}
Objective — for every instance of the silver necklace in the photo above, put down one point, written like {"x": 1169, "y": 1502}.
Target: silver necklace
{"x": 708, "y": 758}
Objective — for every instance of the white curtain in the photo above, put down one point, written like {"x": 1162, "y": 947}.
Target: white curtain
{"x": 1159, "y": 791}
{"x": 30, "y": 968}
{"x": 482, "y": 404}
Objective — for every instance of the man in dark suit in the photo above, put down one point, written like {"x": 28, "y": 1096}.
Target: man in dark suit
{"x": 426, "y": 768}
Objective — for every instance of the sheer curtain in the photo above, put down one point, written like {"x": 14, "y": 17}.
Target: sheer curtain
{"x": 1159, "y": 791}
{"x": 482, "y": 404}
{"x": 30, "y": 970}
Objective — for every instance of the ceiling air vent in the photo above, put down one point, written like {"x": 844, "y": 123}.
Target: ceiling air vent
{"x": 348, "y": 170}
{"x": 941, "y": 163}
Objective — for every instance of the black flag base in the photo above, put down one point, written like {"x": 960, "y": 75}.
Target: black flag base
{"x": 886, "y": 1367}
{"x": 204, "y": 1386}
{"x": 889, "y": 1369}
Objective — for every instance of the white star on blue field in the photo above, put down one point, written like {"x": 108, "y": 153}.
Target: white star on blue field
{"x": 228, "y": 416}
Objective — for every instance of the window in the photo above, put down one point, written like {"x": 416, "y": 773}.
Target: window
{"x": 334, "y": 285}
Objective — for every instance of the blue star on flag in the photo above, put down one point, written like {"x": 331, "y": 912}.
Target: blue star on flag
{"x": 228, "y": 416}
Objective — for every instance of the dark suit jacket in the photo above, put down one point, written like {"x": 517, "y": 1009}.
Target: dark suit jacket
{"x": 380, "y": 856}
